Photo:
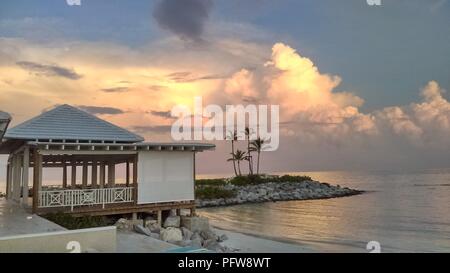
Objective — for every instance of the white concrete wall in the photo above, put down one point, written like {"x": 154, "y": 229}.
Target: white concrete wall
{"x": 102, "y": 239}
{"x": 165, "y": 176}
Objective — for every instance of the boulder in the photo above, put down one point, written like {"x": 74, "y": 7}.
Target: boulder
{"x": 212, "y": 245}
{"x": 195, "y": 224}
{"x": 222, "y": 238}
{"x": 187, "y": 234}
{"x": 172, "y": 221}
{"x": 208, "y": 235}
{"x": 197, "y": 242}
{"x": 171, "y": 234}
{"x": 123, "y": 224}
{"x": 154, "y": 235}
{"x": 195, "y": 236}
{"x": 142, "y": 230}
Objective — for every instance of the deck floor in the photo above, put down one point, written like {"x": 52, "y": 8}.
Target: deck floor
{"x": 15, "y": 220}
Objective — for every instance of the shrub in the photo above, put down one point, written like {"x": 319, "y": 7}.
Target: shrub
{"x": 210, "y": 182}
{"x": 256, "y": 179}
{"x": 70, "y": 222}
{"x": 208, "y": 192}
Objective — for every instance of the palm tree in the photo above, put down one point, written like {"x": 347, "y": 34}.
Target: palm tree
{"x": 238, "y": 156}
{"x": 257, "y": 145}
{"x": 233, "y": 137}
{"x": 249, "y": 158}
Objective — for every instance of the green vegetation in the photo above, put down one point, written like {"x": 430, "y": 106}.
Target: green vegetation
{"x": 251, "y": 180}
{"x": 70, "y": 222}
{"x": 212, "y": 192}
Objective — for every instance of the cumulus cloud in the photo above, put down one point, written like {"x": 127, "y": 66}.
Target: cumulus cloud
{"x": 115, "y": 89}
{"x": 186, "y": 18}
{"x": 49, "y": 70}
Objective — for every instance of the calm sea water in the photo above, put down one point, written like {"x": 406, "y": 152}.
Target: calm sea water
{"x": 404, "y": 212}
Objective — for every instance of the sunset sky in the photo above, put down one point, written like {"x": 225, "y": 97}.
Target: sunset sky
{"x": 359, "y": 87}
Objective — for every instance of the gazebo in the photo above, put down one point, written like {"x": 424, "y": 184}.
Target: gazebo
{"x": 158, "y": 176}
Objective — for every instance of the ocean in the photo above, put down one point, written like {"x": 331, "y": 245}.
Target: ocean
{"x": 402, "y": 211}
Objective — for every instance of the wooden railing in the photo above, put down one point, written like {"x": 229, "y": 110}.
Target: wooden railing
{"x": 84, "y": 197}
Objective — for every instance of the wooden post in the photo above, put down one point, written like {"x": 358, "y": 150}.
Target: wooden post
{"x": 17, "y": 177}
{"x": 178, "y": 212}
{"x": 36, "y": 179}
{"x": 94, "y": 174}
{"x": 73, "y": 178}
{"x": 111, "y": 175}
{"x": 128, "y": 173}
{"x": 64, "y": 178}
{"x": 135, "y": 179}
{"x": 159, "y": 218}
{"x": 8, "y": 179}
{"x": 84, "y": 175}
{"x": 26, "y": 166}
{"x": 102, "y": 174}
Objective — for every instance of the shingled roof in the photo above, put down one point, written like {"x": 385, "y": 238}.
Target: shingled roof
{"x": 68, "y": 123}
{"x": 5, "y": 118}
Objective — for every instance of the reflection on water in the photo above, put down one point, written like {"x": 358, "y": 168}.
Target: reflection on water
{"x": 403, "y": 211}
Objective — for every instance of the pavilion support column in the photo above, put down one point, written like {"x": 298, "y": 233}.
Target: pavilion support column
{"x": 37, "y": 179}
{"x": 8, "y": 179}
{"x": 159, "y": 218}
{"x": 64, "y": 178}
{"x": 73, "y": 179}
{"x": 94, "y": 174}
{"x": 25, "y": 176}
{"x": 111, "y": 175}
{"x": 102, "y": 175}
{"x": 85, "y": 175}
{"x": 135, "y": 179}
{"x": 17, "y": 177}
{"x": 128, "y": 174}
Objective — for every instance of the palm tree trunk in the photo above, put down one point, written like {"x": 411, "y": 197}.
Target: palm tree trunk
{"x": 250, "y": 165}
{"x": 234, "y": 161}
{"x": 239, "y": 168}
{"x": 257, "y": 166}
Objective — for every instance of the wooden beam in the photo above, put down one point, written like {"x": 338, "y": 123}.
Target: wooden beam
{"x": 102, "y": 175}
{"x": 94, "y": 175}
{"x": 36, "y": 177}
{"x": 73, "y": 179}
{"x": 8, "y": 179}
{"x": 111, "y": 175}
{"x": 84, "y": 179}
{"x": 25, "y": 176}
{"x": 17, "y": 177}
{"x": 128, "y": 173}
{"x": 135, "y": 179}
{"x": 64, "y": 178}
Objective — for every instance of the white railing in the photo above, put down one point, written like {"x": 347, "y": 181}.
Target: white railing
{"x": 85, "y": 197}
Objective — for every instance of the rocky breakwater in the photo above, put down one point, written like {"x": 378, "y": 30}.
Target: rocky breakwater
{"x": 277, "y": 191}
{"x": 183, "y": 231}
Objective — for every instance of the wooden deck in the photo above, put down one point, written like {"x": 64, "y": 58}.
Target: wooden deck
{"x": 125, "y": 208}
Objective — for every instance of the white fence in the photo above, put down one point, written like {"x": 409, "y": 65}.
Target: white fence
{"x": 85, "y": 197}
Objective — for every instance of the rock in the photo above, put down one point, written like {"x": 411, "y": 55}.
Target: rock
{"x": 222, "y": 238}
{"x": 155, "y": 228}
{"x": 195, "y": 224}
{"x": 208, "y": 235}
{"x": 142, "y": 230}
{"x": 187, "y": 234}
{"x": 195, "y": 236}
{"x": 197, "y": 242}
{"x": 150, "y": 222}
{"x": 172, "y": 221}
{"x": 212, "y": 245}
{"x": 154, "y": 235}
{"x": 123, "y": 224}
{"x": 171, "y": 234}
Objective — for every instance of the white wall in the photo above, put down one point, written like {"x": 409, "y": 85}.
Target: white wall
{"x": 165, "y": 176}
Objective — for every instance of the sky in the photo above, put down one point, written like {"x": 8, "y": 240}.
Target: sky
{"x": 359, "y": 87}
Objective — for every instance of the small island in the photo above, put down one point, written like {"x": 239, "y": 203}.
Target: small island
{"x": 264, "y": 188}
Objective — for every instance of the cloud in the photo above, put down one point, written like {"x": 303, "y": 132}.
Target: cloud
{"x": 183, "y": 77}
{"x": 162, "y": 114}
{"x": 99, "y": 110}
{"x": 115, "y": 89}
{"x": 49, "y": 70}
{"x": 186, "y": 18}
{"x": 152, "y": 129}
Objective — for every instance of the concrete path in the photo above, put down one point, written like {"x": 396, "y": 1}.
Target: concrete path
{"x": 131, "y": 242}
{"x": 15, "y": 220}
